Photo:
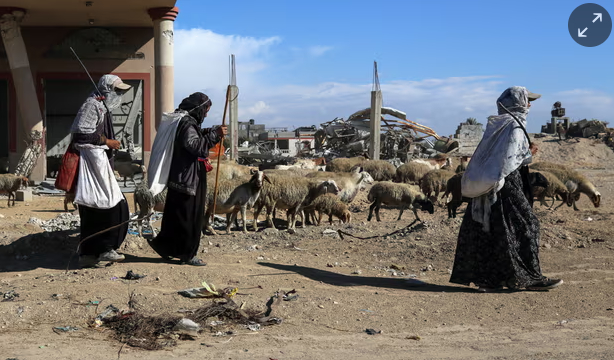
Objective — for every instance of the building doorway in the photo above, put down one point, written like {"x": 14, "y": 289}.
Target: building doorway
{"x": 64, "y": 97}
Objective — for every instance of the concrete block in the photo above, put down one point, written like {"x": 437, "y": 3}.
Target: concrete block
{"x": 23, "y": 195}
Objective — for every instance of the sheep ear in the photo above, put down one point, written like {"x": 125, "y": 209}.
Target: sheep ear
{"x": 266, "y": 178}
{"x": 252, "y": 171}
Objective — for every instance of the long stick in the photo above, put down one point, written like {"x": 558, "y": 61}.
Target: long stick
{"x": 518, "y": 121}
{"x": 219, "y": 154}
{"x": 90, "y": 76}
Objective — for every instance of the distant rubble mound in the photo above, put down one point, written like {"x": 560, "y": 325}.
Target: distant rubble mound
{"x": 579, "y": 153}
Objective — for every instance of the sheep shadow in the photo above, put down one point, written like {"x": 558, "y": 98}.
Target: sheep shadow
{"x": 336, "y": 279}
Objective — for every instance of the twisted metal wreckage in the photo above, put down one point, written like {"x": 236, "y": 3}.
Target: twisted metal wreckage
{"x": 401, "y": 140}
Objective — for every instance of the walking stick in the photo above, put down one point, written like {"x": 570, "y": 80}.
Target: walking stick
{"x": 219, "y": 154}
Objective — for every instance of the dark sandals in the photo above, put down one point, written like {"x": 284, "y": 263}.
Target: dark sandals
{"x": 545, "y": 285}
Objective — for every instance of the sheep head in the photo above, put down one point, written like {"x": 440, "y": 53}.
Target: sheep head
{"x": 366, "y": 178}
{"x": 24, "y": 182}
{"x": 596, "y": 199}
{"x": 329, "y": 186}
{"x": 258, "y": 177}
{"x": 426, "y": 205}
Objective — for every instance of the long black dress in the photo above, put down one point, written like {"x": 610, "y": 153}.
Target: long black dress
{"x": 94, "y": 220}
{"x": 181, "y": 229}
{"x": 509, "y": 254}
{"x": 182, "y": 222}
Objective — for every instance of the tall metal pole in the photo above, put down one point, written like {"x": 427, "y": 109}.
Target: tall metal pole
{"x": 376, "y": 115}
{"x": 233, "y": 118}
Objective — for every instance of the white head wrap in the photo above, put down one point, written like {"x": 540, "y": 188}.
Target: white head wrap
{"x": 503, "y": 149}
{"x": 92, "y": 111}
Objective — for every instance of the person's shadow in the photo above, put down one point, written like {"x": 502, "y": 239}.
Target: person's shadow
{"x": 336, "y": 279}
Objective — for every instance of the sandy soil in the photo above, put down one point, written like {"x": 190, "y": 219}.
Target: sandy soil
{"x": 345, "y": 286}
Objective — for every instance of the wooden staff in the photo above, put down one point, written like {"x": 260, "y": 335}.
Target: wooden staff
{"x": 219, "y": 154}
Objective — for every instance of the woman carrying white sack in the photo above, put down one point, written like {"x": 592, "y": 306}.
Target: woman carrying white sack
{"x": 101, "y": 202}
{"x": 498, "y": 242}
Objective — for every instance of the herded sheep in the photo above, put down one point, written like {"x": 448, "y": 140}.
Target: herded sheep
{"x": 290, "y": 194}
{"x": 555, "y": 187}
{"x": 329, "y": 204}
{"x": 292, "y": 172}
{"x": 345, "y": 164}
{"x": 575, "y": 182}
{"x": 397, "y": 195}
{"x": 350, "y": 183}
{"x": 231, "y": 170}
{"x": 380, "y": 170}
{"x": 233, "y": 196}
{"x": 435, "y": 163}
{"x": 129, "y": 169}
{"x": 317, "y": 164}
{"x": 454, "y": 187}
{"x": 10, "y": 183}
{"x": 145, "y": 203}
{"x": 434, "y": 182}
{"x": 411, "y": 173}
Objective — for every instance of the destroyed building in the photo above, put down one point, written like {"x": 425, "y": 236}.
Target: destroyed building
{"x": 469, "y": 134}
{"x": 400, "y": 139}
{"x": 250, "y": 131}
{"x": 131, "y": 39}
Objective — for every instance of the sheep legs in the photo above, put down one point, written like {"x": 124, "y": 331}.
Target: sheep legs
{"x": 375, "y": 206}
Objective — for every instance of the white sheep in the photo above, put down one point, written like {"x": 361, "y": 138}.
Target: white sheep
{"x": 350, "y": 183}
{"x": 10, "y": 183}
{"x": 291, "y": 194}
{"x": 233, "y": 196}
{"x": 397, "y": 195}
{"x": 434, "y": 163}
{"x": 146, "y": 203}
{"x": 575, "y": 182}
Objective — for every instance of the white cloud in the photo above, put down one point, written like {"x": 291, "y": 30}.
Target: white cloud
{"x": 319, "y": 50}
{"x": 201, "y": 64}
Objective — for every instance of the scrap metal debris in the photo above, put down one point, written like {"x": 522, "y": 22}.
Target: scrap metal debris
{"x": 10, "y": 295}
{"x": 208, "y": 292}
{"x": 130, "y": 275}
{"x": 401, "y": 139}
{"x": 60, "y": 329}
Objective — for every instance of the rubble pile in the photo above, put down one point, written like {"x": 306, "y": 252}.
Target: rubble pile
{"x": 62, "y": 222}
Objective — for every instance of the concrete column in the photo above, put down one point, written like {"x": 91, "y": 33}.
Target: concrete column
{"x": 233, "y": 128}
{"x": 25, "y": 89}
{"x": 163, "y": 19}
{"x": 376, "y": 124}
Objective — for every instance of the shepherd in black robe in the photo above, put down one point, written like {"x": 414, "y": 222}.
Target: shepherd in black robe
{"x": 184, "y": 209}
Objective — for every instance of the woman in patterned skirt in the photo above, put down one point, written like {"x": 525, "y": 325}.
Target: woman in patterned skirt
{"x": 498, "y": 242}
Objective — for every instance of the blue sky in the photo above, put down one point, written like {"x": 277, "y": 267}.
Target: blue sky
{"x": 303, "y": 63}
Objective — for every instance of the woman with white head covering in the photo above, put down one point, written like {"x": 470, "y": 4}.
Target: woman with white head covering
{"x": 101, "y": 202}
{"x": 498, "y": 242}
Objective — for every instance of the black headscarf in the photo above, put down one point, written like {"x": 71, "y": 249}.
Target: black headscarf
{"x": 196, "y": 105}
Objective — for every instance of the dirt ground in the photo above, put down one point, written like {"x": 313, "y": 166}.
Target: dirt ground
{"x": 397, "y": 284}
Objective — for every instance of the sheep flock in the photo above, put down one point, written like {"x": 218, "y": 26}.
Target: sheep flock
{"x": 311, "y": 189}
